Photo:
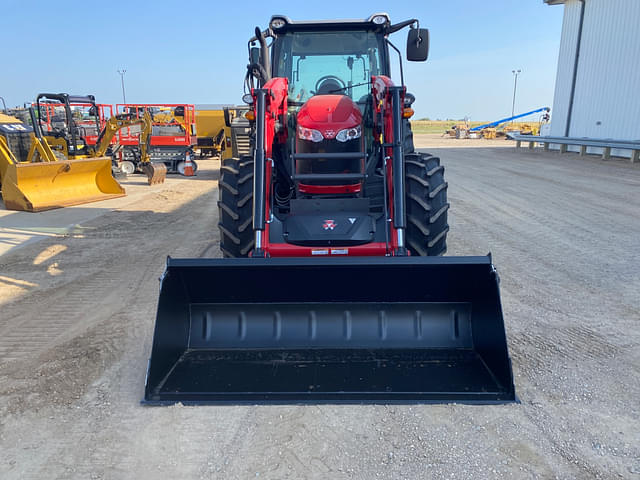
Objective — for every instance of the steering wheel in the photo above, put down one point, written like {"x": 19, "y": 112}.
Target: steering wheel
{"x": 327, "y": 84}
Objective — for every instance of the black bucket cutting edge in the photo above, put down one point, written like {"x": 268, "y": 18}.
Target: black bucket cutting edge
{"x": 331, "y": 330}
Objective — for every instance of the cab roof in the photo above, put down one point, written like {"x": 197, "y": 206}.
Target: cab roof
{"x": 377, "y": 21}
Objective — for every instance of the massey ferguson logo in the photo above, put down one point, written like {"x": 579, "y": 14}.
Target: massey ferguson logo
{"x": 329, "y": 224}
{"x": 329, "y": 134}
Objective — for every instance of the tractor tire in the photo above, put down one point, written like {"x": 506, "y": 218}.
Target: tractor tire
{"x": 426, "y": 204}
{"x": 235, "y": 207}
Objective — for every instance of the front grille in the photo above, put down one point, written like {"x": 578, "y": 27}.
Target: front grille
{"x": 332, "y": 164}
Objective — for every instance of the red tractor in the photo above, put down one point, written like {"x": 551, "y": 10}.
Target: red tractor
{"x": 343, "y": 177}
{"x": 358, "y": 306}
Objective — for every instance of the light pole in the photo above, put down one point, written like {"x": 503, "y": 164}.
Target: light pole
{"x": 515, "y": 85}
{"x": 122, "y": 72}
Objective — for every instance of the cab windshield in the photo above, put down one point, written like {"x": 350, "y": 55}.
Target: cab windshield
{"x": 331, "y": 62}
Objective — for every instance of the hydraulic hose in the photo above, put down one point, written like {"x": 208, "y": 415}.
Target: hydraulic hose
{"x": 264, "y": 54}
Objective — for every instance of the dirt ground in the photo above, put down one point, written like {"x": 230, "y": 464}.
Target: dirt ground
{"x": 78, "y": 293}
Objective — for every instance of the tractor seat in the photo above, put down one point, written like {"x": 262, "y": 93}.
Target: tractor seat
{"x": 328, "y": 87}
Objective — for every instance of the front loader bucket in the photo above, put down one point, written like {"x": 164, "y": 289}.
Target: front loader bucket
{"x": 34, "y": 187}
{"x": 389, "y": 329}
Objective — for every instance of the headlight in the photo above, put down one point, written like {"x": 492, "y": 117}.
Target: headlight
{"x": 277, "y": 23}
{"x": 309, "y": 134}
{"x": 380, "y": 19}
{"x": 349, "y": 134}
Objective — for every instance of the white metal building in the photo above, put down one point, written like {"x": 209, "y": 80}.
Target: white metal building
{"x": 597, "y": 93}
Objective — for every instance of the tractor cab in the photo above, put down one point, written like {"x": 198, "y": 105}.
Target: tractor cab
{"x": 331, "y": 150}
{"x": 335, "y": 62}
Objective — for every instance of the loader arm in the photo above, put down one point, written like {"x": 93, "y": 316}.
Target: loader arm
{"x": 6, "y": 157}
{"x": 40, "y": 150}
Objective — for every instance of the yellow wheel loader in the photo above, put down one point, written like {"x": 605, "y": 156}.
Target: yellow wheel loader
{"x": 33, "y": 179}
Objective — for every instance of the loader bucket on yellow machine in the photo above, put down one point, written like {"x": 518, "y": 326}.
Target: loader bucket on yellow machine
{"x": 34, "y": 187}
{"x": 390, "y": 329}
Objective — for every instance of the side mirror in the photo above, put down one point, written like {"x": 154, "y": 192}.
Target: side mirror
{"x": 418, "y": 44}
{"x": 254, "y": 55}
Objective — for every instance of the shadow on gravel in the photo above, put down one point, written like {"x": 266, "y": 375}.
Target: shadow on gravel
{"x": 106, "y": 237}
{"x": 78, "y": 284}
{"x": 21, "y": 228}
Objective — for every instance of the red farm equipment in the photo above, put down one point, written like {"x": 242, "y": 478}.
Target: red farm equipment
{"x": 173, "y": 136}
{"x": 342, "y": 294}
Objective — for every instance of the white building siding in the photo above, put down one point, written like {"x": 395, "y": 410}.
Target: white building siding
{"x": 607, "y": 96}
{"x": 566, "y": 62}
{"x": 607, "y": 99}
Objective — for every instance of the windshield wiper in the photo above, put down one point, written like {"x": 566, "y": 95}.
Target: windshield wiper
{"x": 349, "y": 86}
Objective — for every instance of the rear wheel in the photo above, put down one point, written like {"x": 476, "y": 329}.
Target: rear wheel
{"x": 127, "y": 167}
{"x": 235, "y": 206}
{"x": 426, "y": 198}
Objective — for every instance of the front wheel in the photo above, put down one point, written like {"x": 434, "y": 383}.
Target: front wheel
{"x": 235, "y": 206}
{"x": 426, "y": 199}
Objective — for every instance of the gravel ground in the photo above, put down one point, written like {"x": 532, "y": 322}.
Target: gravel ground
{"x": 77, "y": 311}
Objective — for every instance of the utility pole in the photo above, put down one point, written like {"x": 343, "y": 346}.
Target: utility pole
{"x": 122, "y": 72}
{"x": 515, "y": 85}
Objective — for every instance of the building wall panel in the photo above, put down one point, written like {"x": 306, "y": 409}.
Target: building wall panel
{"x": 607, "y": 98}
{"x": 564, "y": 75}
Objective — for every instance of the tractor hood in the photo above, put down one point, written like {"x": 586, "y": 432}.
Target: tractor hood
{"x": 329, "y": 114}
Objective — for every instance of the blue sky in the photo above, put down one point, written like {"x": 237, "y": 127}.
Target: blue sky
{"x": 196, "y": 51}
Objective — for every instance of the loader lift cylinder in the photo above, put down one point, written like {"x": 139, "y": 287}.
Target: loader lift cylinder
{"x": 399, "y": 207}
{"x": 259, "y": 173}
